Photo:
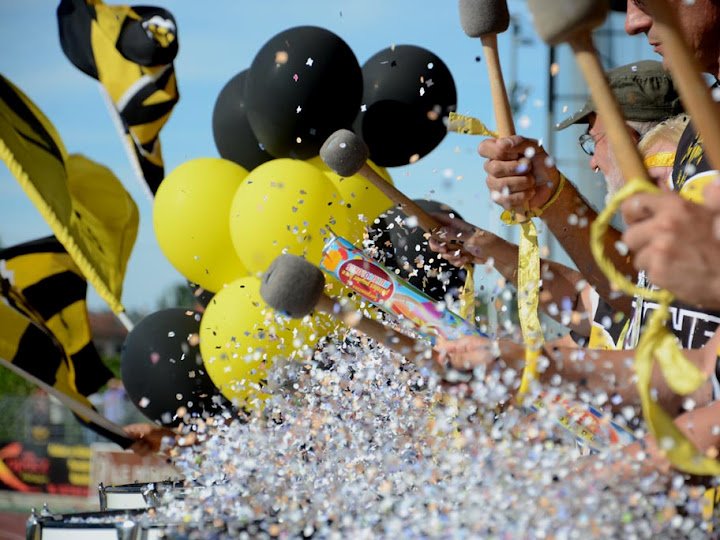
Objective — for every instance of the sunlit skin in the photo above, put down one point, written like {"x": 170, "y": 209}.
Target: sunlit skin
{"x": 148, "y": 438}
{"x": 672, "y": 240}
{"x": 699, "y": 22}
{"x": 665, "y": 231}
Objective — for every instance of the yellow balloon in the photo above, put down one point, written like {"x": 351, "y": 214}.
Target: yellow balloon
{"x": 190, "y": 217}
{"x": 364, "y": 201}
{"x": 240, "y": 337}
{"x": 284, "y": 206}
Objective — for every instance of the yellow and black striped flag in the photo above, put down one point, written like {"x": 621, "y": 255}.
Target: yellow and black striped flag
{"x": 86, "y": 206}
{"x": 44, "y": 325}
{"x": 129, "y": 50}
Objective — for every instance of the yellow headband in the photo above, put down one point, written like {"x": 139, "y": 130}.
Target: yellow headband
{"x": 661, "y": 159}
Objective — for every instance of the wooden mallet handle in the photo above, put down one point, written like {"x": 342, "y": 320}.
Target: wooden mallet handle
{"x": 624, "y": 147}
{"x": 501, "y": 103}
{"x": 426, "y": 221}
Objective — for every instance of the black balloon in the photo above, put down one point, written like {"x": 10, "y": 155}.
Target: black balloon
{"x": 304, "y": 84}
{"x": 408, "y": 94}
{"x": 396, "y": 248}
{"x": 234, "y": 138}
{"x": 201, "y": 296}
{"x": 162, "y": 370}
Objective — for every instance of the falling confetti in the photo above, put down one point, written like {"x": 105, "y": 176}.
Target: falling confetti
{"x": 358, "y": 442}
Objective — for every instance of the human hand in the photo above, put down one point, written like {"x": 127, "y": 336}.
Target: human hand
{"x": 465, "y": 353}
{"x": 519, "y": 172}
{"x": 458, "y": 241}
{"x": 676, "y": 243}
{"x": 148, "y": 437}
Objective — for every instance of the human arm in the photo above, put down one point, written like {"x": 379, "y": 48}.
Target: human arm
{"x": 461, "y": 243}
{"x": 611, "y": 372}
{"x": 521, "y": 173}
{"x": 149, "y": 437}
{"x": 700, "y": 426}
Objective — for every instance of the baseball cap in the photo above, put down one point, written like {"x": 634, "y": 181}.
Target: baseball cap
{"x": 644, "y": 91}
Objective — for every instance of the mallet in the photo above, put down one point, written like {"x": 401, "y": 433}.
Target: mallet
{"x": 347, "y": 155}
{"x": 294, "y": 286}
{"x": 687, "y": 75}
{"x": 572, "y": 21}
{"x": 486, "y": 19}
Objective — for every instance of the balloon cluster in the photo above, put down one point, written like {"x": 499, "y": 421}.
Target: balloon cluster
{"x": 305, "y": 83}
{"x": 222, "y": 221}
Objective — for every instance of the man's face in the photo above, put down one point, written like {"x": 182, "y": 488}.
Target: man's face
{"x": 699, "y": 22}
{"x": 603, "y": 159}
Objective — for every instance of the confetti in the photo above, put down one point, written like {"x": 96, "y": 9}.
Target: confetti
{"x": 357, "y": 442}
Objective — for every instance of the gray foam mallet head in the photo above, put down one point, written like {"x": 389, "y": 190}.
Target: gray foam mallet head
{"x": 557, "y": 21}
{"x": 344, "y": 152}
{"x": 292, "y": 285}
{"x": 482, "y": 17}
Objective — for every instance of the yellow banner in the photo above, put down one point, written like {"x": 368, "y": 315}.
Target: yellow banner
{"x": 86, "y": 206}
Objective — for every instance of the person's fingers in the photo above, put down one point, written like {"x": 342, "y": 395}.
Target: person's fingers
{"x": 656, "y": 256}
{"x": 510, "y": 184}
{"x": 513, "y": 200}
{"x": 505, "y": 148}
{"x": 712, "y": 195}
{"x": 509, "y": 169}
{"x": 637, "y": 208}
{"x": 450, "y": 234}
{"x": 438, "y": 246}
{"x": 450, "y": 248}
{"x": 457, "y": 260}
{"x": 639, "y": 235}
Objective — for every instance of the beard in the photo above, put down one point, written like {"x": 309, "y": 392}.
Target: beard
{"x": 613, "y": 182}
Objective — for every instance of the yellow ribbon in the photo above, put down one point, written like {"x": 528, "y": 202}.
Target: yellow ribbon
{"x": 467, "y": 125}
{"x": 467, "y": 296}
{"x": 528, "y": 301}
{"x": 528, "y": 262}
{"x": 656, "y": 344}
{"x": 529, "y": 288}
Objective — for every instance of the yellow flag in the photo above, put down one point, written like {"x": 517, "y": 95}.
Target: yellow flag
{"x": 130, "y": 51}
{"x": 86, "y": 206}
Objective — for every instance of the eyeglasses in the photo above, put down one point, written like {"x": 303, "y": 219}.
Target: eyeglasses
{"x": 587, "y": 143}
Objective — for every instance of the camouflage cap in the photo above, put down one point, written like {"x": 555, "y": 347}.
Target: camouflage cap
{"x": 644, "y": 91}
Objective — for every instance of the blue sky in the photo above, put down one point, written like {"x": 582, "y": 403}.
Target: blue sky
{"x": 218, "y": 39}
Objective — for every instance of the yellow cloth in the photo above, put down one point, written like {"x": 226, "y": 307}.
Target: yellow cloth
{"x": 467, "y": 125}
{"x": 529, "y": 288}
{"x": 85, "y": 205}
{"x": 528, "y": 262}
{"x": 656, "y": 344}
{"x": 467, "y": 296}
{"x": 27, "y": 345}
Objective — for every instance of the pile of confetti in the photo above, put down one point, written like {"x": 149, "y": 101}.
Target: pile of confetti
{"x": 358, "y": 442}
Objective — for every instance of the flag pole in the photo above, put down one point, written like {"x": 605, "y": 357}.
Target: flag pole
{"x": 125, "y": 136}
{"x": 74, "y": 405}
{"x": 125, "y": 320}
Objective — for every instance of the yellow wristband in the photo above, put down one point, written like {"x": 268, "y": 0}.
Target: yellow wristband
{"x": 509, "y": 217}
